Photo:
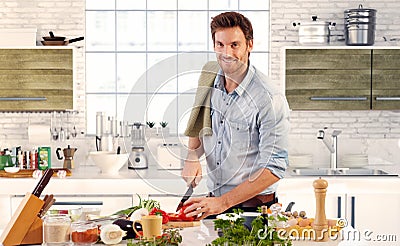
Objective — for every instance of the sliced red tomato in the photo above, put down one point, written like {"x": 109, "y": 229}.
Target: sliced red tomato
{"x": 183, "y": 216}
{"x": 156, "y": 211}
{"x": 173, "y": 217}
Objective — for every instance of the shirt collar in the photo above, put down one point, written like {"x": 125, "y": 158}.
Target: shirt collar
{"x": 218, "y": 84}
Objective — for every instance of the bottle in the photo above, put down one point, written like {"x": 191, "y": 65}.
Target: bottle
{"x": 44, "y": 158}
{"x": 264, "y": 215}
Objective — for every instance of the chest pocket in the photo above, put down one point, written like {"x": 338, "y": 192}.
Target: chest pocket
{"x": 240, "y": 134}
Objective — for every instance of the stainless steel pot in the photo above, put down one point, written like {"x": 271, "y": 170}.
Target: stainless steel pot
{"x": 359, "y": 26}
{"x": 314, "y": 32}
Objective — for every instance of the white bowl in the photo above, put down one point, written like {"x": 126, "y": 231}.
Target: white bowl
{"x": 11, "y": 169}
{"x": 109, "y": 162}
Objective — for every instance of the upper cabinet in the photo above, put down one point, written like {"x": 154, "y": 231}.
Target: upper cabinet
{"x": 342, "y": 79}
{"x": 386, "y": 79}
{"x": 37, "y": 79}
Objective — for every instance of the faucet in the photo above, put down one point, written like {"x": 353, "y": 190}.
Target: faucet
{"x": 331, "y": 145}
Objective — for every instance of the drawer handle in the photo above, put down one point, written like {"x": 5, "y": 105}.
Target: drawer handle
{"x": 339, "y": 98}
{"x": 23, "y": 98}
{"x": 387, "y": 98}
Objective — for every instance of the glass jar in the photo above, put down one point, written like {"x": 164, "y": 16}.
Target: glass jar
{"x": 84, "y": 232}
{"x": 56, "y": 229}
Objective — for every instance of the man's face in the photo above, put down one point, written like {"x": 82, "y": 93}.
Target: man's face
{"x": 231, "y": 49}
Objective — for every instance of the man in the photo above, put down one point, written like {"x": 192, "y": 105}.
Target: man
{"x": 246, "y": 151}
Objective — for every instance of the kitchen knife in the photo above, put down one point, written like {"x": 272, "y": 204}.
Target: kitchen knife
{"x": 185, "y": 197}
{"x": 43, "y": 182}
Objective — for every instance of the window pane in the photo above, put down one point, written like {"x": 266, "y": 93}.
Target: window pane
{"x": 130, "y": 4}
{"x": 161, "y": 4}
{"x": 98, "y": 103}
{"x": 254, "y": 5}
{"x": 188, "y": 39}
{"x": 163, "y": 108}
{"x": 260, "y": 61}
{"x": 131, "y": 72}
{"x": 260, "y": 23}
{"x": 162, "y": 76}
{"x": 131, "y": 31}
{"x": 185, "y": 103}
{"x": 192, "y": 4}
{"x": 189, "y": 69}
{"x": 100, "y": 72}
{"x": 163, "y": 30}
{"x": 132, "y": 108}
{"x": 100, "y": 31}
{"x": 223, "y": 4}
{"x": 100, "y": 4}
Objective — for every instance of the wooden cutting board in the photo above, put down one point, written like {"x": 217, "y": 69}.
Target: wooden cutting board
{"x": 27, "y": 173}
{"x": 181, "y": 224}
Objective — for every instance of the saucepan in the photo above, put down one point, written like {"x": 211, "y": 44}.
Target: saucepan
{"x": 58, "y": 40}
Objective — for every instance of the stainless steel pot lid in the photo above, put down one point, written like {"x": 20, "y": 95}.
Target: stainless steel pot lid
{"x": 360, "y": 11}
{"x": 315, "y": 22}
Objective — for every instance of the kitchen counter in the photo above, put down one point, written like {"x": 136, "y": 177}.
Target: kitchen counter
{"x": 205, "y": 234}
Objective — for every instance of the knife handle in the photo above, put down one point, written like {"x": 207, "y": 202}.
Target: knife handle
{"x": 44, "y": 180}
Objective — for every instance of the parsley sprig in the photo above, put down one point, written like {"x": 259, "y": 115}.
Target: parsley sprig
{"x": 233, "y": 232}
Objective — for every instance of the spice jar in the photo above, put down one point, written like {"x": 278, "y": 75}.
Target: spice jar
{"x": 56, "y": 229}
{"x": 84, "y": 233}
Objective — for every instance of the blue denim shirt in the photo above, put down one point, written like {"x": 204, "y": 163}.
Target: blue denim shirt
{"x": 250, "y": 131}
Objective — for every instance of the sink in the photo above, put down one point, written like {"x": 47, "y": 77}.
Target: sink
{"x": 340, "y": 172}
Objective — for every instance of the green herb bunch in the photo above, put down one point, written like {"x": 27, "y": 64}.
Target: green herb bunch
{"x": 169, "y": 237}
{"x": 235, "y": 233}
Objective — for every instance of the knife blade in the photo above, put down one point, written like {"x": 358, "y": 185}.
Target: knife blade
{"x": 44, "y": 180}
{"x": 185, "y": 197}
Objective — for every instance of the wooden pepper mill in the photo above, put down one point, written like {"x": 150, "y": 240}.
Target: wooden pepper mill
{"x": 320, "y": 223}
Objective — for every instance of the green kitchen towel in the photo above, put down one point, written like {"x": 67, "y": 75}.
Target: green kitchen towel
{"x": 199, "y": 123}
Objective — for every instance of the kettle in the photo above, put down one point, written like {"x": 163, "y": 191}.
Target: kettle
{"x": 68, "y": 156}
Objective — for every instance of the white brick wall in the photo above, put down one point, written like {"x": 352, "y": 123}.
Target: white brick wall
{"x": 66, "y": 17}
{"x": 355, "y": 124}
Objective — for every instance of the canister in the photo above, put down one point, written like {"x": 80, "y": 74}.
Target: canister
{"x": 44, "y": 158}
{"x": 56, "y": 229}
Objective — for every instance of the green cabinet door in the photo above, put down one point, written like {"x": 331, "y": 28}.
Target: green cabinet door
{"x": 36, "y": 79}
{"x": 386, "y": 79}
{"x": 328, "y": 79}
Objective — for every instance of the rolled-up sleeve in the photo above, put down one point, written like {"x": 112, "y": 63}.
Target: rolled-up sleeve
{"x": 273, "y": 122}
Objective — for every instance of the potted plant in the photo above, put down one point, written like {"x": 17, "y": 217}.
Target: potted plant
{"x": 150, "y": 130}
{"x": 164, "y": 131}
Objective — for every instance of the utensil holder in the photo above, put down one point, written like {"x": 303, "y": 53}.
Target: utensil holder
{"x": 25, "y": 227}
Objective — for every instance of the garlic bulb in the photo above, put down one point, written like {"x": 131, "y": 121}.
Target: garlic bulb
{"x": 137, "y": 215}
{"x": 111, "y": 234}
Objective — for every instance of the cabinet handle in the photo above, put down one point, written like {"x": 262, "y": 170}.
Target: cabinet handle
{"x": 353, "y": 209}
{"x": 338, "y": 98}
{"x": 339, "y": 206}
{"x": 387, "y": 98}
{"x": 23, "y": 98}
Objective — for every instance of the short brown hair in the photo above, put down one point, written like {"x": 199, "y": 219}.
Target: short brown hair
{"x": 231, "y": 19}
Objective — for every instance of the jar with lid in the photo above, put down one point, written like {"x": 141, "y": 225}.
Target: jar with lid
{"x": 84, "y": 233}
{"x": 56, "y": 229}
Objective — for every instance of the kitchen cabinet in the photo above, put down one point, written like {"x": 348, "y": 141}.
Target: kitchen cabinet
{"x": 364, "y": 206}
{"x": 386, "y": 79}
{"x": 342, "y": 79}
{"x": 36, "y": 79}
{"x": 374, "y": 212}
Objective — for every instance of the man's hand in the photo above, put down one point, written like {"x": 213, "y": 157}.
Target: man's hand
{"x": 204, "y": 206}
{"x": 192, "y": 168}
{"x": 192, "y": 172}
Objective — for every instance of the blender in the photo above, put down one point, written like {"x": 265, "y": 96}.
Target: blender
{"x": 137, "y": 157}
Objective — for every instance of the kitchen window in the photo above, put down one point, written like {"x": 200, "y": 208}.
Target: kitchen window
{"x": 143, "y": 56}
